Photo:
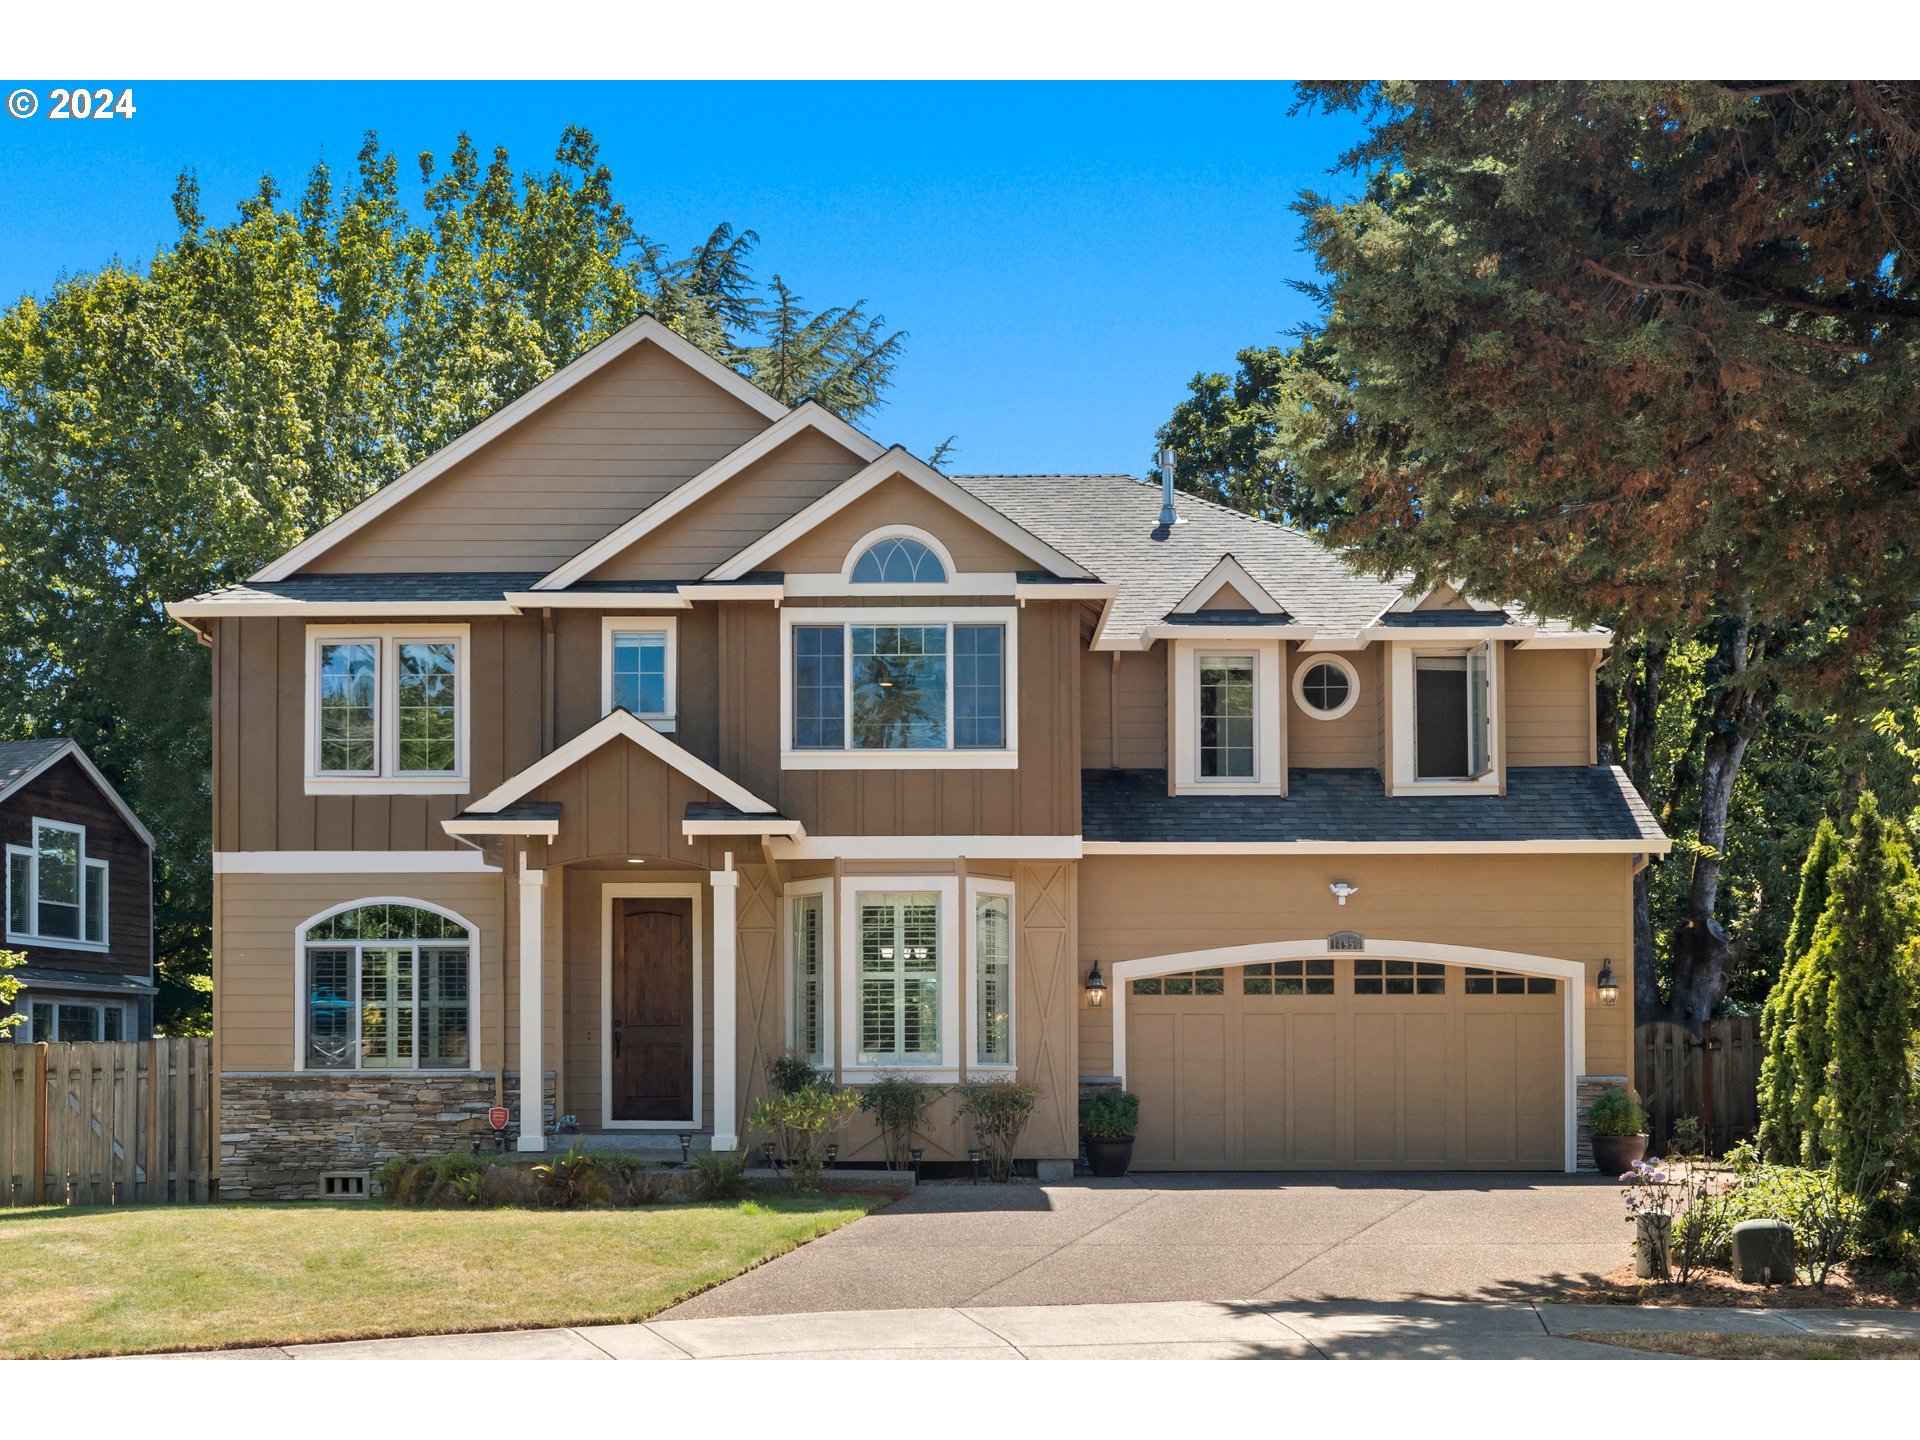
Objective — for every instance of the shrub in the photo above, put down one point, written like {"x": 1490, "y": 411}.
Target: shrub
{"x": 1616, "y": 1113}
{"x": 999, "y": 1110}
{"x": 574, "y": 1179}
{"x": 793, "y": 1072}
{"x": 1791, "y": 1073}
{"x": 899, "y": 1105}
{"x": 723, "y": 1174}
{"x": 803, "y": 1120}
{"x": 1113, "y": 1115}
{"x": 1689, "y": 1137}
{"x": 1823, "y": 1213}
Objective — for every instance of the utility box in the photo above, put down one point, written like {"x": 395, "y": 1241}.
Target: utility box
{"x": 1763, "y": 1252}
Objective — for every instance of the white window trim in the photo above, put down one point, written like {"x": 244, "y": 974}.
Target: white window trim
{"x": 1269, "y": 729}
{"x": 32, "y": 853}
{"x": 474, "y": 1027}
{"x": 1005, "y": 758}
{"x": 945, "y": 1066}
{"x": 25, "y": 1033}
{"x": 866, "y": 542}
{"x": 666, "y": 625}
{"x": 976, "y": 891}
{"x": 1405, "y": 779}
{"x": 823, "y": 888}
{"x": 1338, "y": 662}
{"x": 643, "y": 891}
{"x": 383, "y": 779}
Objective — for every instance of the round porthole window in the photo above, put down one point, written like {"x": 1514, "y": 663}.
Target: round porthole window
{"x": 1326, "y": 688}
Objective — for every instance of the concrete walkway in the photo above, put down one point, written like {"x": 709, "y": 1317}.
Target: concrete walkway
{"x": 1173, "y": 1330}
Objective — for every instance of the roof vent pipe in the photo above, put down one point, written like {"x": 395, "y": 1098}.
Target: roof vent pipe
{"x": 1169, "y": 516}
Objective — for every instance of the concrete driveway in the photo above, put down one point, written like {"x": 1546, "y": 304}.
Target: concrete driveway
{"x": 1215, "y": 1238}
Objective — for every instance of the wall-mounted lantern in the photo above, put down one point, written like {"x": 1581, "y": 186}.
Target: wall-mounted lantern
{"x": 1096, "y": 987}
{"x": 1608, "y": 987}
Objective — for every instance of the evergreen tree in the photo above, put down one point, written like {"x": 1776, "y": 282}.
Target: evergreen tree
{"x": 1869, "y": 939}
{"x": 1781, "y": 1130}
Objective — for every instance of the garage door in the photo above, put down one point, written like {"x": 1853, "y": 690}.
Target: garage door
{"x": 1347, "y": 1063}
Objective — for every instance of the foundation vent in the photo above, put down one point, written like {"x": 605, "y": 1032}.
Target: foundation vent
{"x": 343, "y": 1184}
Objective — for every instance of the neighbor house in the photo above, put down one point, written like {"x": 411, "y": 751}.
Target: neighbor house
{"x": 79, "y": 897}
{"x": 654, "y": 728}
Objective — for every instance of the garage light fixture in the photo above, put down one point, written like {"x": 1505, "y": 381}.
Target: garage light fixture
{"x": 1608, "y": 987}
{"x": 1341, "y": 890}
{"x": 1096, "y": 987}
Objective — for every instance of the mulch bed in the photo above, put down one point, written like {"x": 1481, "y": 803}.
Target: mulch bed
{"x": 1846, "y": 1288}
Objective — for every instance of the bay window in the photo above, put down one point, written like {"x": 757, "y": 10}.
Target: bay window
{"x": 56, "y": 895}
{"x": 387, "y": 986}
{"x": 933, "y": 687}
{"x": 387, "y": 709}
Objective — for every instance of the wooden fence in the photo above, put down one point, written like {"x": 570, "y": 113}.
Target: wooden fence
{"x": 1716, "y": 1078}
{"x": 106, "y": 1124}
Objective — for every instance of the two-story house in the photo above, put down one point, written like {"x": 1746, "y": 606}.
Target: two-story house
{"x": 79, "y": 897}
{"x": 653, "y": 728}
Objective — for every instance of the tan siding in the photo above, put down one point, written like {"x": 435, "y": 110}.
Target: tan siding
{"x": 1570, "y": 907}
{"x": 1140, "y": 690}
{"x": 257, "y": 917}
{"x": 1354, "y": 740}
{"x": 1549, "y": 708}
{"x": 563, "y": 477}
{"x": 898, "y": 502}
{"x": 753, "y": 502}
{"x": 1228, "y": 597}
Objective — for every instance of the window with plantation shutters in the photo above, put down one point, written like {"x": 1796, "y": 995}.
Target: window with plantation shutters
{"x": 808, "y": 1036}
{"x": 389, "y": 986}
{"x": 899, "y": 955}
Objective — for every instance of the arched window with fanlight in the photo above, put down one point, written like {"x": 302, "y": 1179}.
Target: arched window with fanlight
{"x": 899, "y": 560}
{"x": 388, "y": 985}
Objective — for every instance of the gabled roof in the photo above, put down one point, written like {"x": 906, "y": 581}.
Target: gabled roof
{"x": 897, "y": 462}
{"x": 22, "y": 760}
{"x": 616, "y": 725}
{"x": 645, "y": 330}
{"x": 809, "y": 415}
{"x": 1229, "y": 572}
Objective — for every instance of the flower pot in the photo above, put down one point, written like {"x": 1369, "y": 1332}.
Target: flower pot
{"x": 1615, "y": 1154}
{"x": 1109, "y": 1157}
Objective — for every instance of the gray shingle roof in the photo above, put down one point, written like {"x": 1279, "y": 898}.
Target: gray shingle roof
{"x": 17, "y": 757}
{"x": 1549, "y": 802}
{"x": 454, "y": 585}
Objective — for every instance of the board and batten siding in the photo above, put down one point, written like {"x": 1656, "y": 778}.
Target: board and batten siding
{"x": 560, "y": 479}
{"x": 65, "y": 792}
{"x": 1137, "y": 695}
{"x": 1570, "y": 907}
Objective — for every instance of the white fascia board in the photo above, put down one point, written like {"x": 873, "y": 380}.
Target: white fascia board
{"x": 1376, "y": 847}
{"x": 897, "y": 462}
{"x": 808, "y": 416}
{"x": 787, "y": 829}
{"x": 480, "y": 825}
{"x": 723, "y": 591}
{"x": 351, "y": 862}
{"x": 918, "y": 848}
{"x": 611, "y": 727}
{"x": 1024, "y": 590}
{"x": 1596, "y": 639}
{"x": 341, "y": 609}
{"x": 644, "y": 330}
{"x": 524, "y": 600}
{"x": 1200, "y": 634}
{"x": 1334, "y": 641}
{"x": 1228, "y": 571}
{"x": 1445, "y": 634}
{"x": 72, "y": 747}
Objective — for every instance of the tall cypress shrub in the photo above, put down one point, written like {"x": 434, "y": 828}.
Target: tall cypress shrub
{"x": 1869, "y": 939}
{"x": 1782, "y": 1126}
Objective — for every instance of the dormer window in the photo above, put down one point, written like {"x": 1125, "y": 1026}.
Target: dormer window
{"x": 899, "y": 557}
{"x": 1228, "y": 719}
{"x": 1450, "y": 716}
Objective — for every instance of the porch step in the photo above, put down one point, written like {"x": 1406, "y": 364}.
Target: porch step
{"x": 653, "y": 1144}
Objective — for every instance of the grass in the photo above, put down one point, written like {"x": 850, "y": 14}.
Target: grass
{"x": 132, "y": 1279}
{"x": 1701, "y": 1346}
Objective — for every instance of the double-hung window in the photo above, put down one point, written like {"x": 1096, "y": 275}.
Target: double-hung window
{"x": 388, "y": 986}
{"x": 876, "y": 689}
{"x": 387, "y": 709}
{"x": 638, "y": 668}
{"x": 898, "y": 940}
{"x": 56, "y": 895}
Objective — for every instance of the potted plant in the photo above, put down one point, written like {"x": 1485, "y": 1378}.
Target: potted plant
{"x": 1618, "y": 1127}
{"x": 1113, "y": 1117}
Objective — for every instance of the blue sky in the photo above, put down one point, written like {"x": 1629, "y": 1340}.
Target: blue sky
{"x": 1064, "y": 257}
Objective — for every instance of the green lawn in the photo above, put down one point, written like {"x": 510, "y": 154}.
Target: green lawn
{"x": 119, "y": 1281}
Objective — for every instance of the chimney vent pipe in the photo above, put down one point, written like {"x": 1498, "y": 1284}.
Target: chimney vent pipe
{"x": 1169, "y": 516}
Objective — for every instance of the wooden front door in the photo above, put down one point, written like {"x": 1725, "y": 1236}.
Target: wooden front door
{"x": 652, "y": 1004}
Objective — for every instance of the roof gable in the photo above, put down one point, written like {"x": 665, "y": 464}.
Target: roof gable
{"x": 741, "y": 407}
{"x": 23, "y": 761}
{"x": 897, "y": 463}
{"x": 1228, "y": 586}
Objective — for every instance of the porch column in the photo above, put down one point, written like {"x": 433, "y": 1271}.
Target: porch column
{"x": 726, "y": 1115}
{"x": 533, "y": 1102}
